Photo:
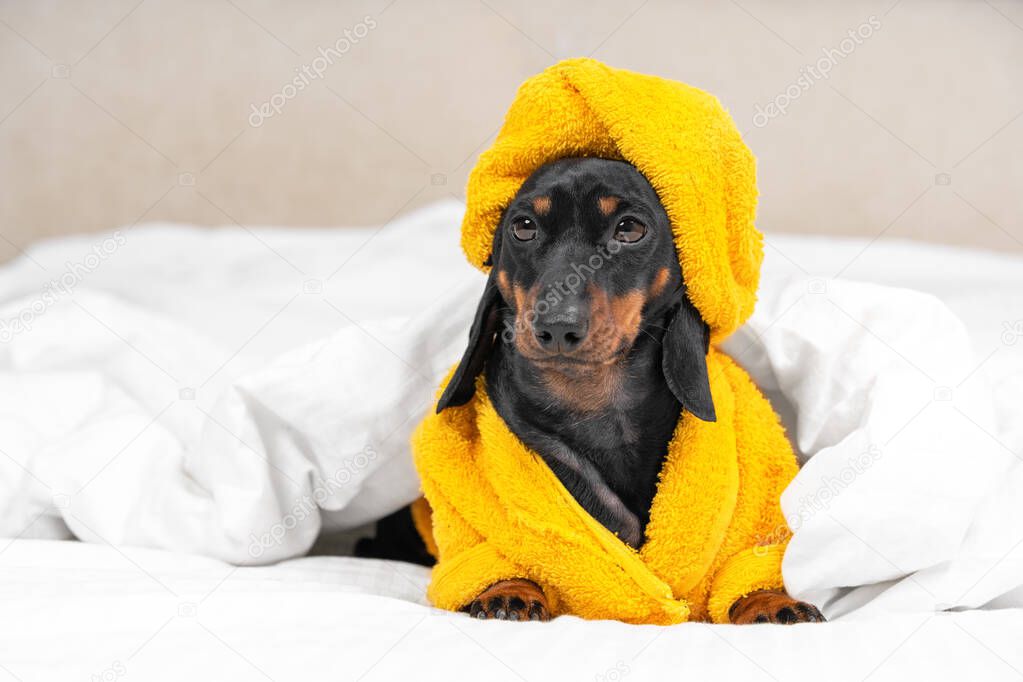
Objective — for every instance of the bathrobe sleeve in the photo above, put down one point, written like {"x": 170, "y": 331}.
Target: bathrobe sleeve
{"x": 467, "y": 564}
{"x": 751, "y": 556}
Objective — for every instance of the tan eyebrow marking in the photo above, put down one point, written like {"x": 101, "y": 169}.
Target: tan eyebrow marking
{"x": 659, "y": 283}
{"x": 502, "y": 282}
{"x": 608, "y": 204}
{"x": 542, "y": 205}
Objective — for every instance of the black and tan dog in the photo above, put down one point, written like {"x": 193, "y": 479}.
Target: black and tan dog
{"x": 590, "y": 366}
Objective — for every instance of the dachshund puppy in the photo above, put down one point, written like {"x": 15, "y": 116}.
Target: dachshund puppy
{"x": 590, "y": 360}
{"x": 590, "y": 349}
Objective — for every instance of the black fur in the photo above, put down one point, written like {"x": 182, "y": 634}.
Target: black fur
{"x": 396, "y": 539}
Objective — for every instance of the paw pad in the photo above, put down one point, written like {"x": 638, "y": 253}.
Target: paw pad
{"x": 507, "y": 608}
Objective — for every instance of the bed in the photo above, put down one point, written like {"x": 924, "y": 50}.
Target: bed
{"x": 189, "y": 413}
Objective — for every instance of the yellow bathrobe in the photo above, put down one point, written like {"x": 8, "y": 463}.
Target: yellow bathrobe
{"x": 493, "y": 509}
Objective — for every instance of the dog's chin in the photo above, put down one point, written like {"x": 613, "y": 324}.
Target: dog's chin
{"x": 576, "y": 363}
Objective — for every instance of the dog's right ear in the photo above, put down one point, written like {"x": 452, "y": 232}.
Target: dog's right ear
{"x": 481, "y": 340}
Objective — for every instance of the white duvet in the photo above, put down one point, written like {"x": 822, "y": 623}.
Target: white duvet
{"x": 234, "y": 393}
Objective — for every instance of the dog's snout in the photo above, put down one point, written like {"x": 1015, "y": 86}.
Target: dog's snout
{"x": 561, "y": 331}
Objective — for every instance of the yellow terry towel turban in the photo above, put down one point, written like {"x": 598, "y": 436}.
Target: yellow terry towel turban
{"x": 493, "y": 509}
{"x": 679, "y": 137}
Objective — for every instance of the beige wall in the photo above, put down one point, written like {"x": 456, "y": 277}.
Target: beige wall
{"x": 118, "y": 111}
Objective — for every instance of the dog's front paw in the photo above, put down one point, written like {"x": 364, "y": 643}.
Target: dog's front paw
{"x": 771, "y": 606}
{"x": 516, "y": 599}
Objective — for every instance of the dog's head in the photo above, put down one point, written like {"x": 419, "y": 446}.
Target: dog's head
{"x": 584, "y": 262}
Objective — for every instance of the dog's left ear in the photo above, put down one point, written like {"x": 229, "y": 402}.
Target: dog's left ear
{"x": 684, "y": 361}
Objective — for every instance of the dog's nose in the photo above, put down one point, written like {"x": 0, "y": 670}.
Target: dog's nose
{"x": 560, "y": 333}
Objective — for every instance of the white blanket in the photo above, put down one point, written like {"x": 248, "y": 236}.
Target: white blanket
{"x": 233, "y": 393}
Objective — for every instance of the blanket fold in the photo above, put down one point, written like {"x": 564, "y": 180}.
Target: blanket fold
{"x": 494, "y": 510}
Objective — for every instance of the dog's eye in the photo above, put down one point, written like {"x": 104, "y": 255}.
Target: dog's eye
{"x": 630, "y": 231}
{"x": 524, "y": 229}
